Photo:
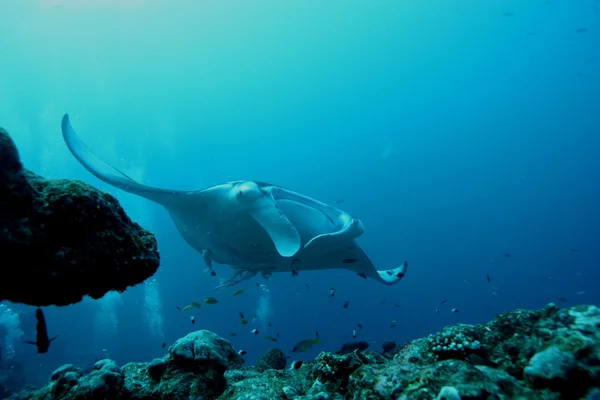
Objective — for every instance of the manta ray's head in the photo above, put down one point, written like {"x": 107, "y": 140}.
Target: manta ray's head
{"x": 246, "y": 192}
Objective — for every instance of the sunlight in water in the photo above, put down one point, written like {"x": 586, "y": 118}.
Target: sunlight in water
{"x": 264, "y": 311}
{"x": 107, "y": 321}
{"x": 10, "y": 331}
{"x": 153, "y": 307}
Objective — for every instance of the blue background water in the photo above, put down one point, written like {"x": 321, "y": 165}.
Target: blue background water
{"x": 456, "y": 131}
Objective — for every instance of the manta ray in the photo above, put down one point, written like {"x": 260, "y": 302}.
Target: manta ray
{"x": 251, "y": 226}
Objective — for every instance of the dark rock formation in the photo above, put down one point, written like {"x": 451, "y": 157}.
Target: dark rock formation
{"x": 272, "y": 359}
{"x": 62, "y": 239}
{"x": 349, "y": 347}
{"x": 547, "y": 354}
{"x": 388, "y": 345}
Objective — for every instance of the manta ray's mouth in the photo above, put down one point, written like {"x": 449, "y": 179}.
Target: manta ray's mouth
{"x": 312, "y": 218}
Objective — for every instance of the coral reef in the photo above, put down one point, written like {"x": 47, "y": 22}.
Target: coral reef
{"x": 551, "y": 353}
{"x": 63, "y": 239}
{"x": 272, "y": 359}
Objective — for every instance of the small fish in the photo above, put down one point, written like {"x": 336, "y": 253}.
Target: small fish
{"x": 437, "y": 311}
{"x": 238, "y": 292}
{"x": 393, "y": 324}
{"x": 296, "y": 365}
{"x": 562, "y": 299}
{"x": 41, "y": 338}
{"x": 255, "y": 331}
{"x": 507, "y": 255}
{"x": 359, "y": 326}
{"x": 382, "y": 301}
{"x": 271, "y": 338}
{"x": 192, "y": 319}
{"x": 213, "y": 273}
{"x": 582, "y": 292}
{"x": 338, "y": 201}
{"x": 362, "y": 275}
{"x": 353, "y": 334}
{"x": 509, "y": 14}
{"x": 346, "y": 304}
{"x": 581, "y": 30}
{"x": 331, "y": 292}
{"x": 308, "y": 287}
{"x": 241, "y": 315}
{"x": 305, "y": 345}
{"x": 397, "y": 305}
{"x": 164, "y": 344}
{"x": 454, "y": 310}
{"x": 444, "y": 301}
{"x": 233, "y": 334}
{"x": 210, "y": 300}
{"x": 294, "y": 273}
{"x": 573, "y": 250}
{"x": 488, "y": 278}
{"x": 193, "y": 304}
{"x": 242, "y": 353}
{"x": 244, "y": 322}
{"x": 269, "y": 323}
{"x": 466, "y": 281}
{"x": 317, "y": 334}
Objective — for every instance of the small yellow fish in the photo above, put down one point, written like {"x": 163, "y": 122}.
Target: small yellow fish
{"x": 271, "y": 338}
{"x": 305, "y": 345}
{"x": 238, "y": 292}
{"x": 210, "y": 300}
{"x": 193, "y": 304}
{"x": 244, "y": 322}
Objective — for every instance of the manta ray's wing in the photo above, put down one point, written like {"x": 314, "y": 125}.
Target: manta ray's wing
{"x": 109, "y": 174}
{"x": 328, "y": 237}
{"x": 234, "y": 209}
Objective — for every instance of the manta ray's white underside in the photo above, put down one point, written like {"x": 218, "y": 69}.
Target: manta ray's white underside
{"x": 251, "y": 226}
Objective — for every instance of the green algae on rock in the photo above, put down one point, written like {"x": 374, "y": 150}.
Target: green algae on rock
{"x": 63, "y": 239}
{"x": 551, "y": 353}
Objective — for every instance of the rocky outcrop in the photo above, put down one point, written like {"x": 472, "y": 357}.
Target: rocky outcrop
{"x": 551, "y": 353}
{"x": 62, "y": 239}
{"x": 272, "y": 359}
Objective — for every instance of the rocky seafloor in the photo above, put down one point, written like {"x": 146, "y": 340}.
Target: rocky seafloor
{"x": 552, "y": 353}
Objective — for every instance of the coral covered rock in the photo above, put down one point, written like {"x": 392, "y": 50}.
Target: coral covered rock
{"x": 63, "y": 239}
{"x": 272, "y": 359}
{"x": 551, "y": 353}
{"x": 203, "y": 348}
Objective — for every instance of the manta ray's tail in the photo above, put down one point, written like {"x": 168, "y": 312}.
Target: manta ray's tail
{"x": 107, "y": 173}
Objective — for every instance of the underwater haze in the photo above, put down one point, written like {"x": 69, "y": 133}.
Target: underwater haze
{"x": 464, "y": 135}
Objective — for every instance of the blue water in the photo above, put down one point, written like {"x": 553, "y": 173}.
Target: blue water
{"x": 456, "y": 131}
